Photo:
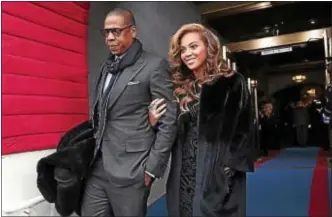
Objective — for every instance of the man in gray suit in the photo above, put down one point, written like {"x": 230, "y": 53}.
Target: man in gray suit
{"x": 129, "y": 154}
{"x": 301, "y": 123}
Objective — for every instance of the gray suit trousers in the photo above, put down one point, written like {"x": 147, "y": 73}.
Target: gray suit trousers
{"x": 302, "y": 134}
{"x": 102, "y": 198}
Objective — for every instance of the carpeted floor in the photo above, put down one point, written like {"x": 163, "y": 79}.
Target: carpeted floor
{"x": 330, "y": 189}
{"x": 294, "y": 182}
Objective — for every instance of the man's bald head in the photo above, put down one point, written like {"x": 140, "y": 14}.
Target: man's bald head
{"x": 125, "y": 13}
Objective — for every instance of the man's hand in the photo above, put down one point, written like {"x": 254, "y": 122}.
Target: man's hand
{"x": 229, "y": 172}
{"x": 147, "y": 180}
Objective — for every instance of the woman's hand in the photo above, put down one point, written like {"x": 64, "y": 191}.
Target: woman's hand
{"x": 156, "y": 109}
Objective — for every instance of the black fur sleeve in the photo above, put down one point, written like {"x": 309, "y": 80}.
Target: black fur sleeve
{"x": 240, "y": 146}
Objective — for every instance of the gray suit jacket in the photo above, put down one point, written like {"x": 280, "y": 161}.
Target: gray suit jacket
{"x": 130, "y": 146}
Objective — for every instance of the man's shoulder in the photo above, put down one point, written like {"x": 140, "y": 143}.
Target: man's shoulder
{"x": 153, "y": 59}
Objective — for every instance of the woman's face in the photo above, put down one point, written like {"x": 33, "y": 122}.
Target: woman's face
{"x": 193, "y": 51}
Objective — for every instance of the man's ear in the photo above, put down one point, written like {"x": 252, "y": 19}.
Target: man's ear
{"x": 133, "y": 31}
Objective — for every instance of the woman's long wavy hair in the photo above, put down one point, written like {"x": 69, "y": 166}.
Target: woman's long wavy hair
{"x": 184, "y": 80}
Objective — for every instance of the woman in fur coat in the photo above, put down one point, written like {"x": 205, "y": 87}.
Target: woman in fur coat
{"x": 213, "y": 151}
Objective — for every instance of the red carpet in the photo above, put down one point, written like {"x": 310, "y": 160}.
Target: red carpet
{"x": 319, "y": 195}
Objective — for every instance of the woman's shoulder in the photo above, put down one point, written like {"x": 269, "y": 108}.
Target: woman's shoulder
{"x": 233, "y": 80}
{"x": 236, "y": 77}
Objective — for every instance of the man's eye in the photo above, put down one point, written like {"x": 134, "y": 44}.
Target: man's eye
{"x": 117, "y": 30}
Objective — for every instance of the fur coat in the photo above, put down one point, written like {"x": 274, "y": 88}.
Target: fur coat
{"x": 225, "y": 123}
{"x": 61, "y": 175}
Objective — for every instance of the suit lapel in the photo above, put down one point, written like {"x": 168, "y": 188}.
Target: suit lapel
{"x": 126, "y": 76}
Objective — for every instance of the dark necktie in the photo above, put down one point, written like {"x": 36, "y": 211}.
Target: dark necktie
{"x": 113, "y": 68}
